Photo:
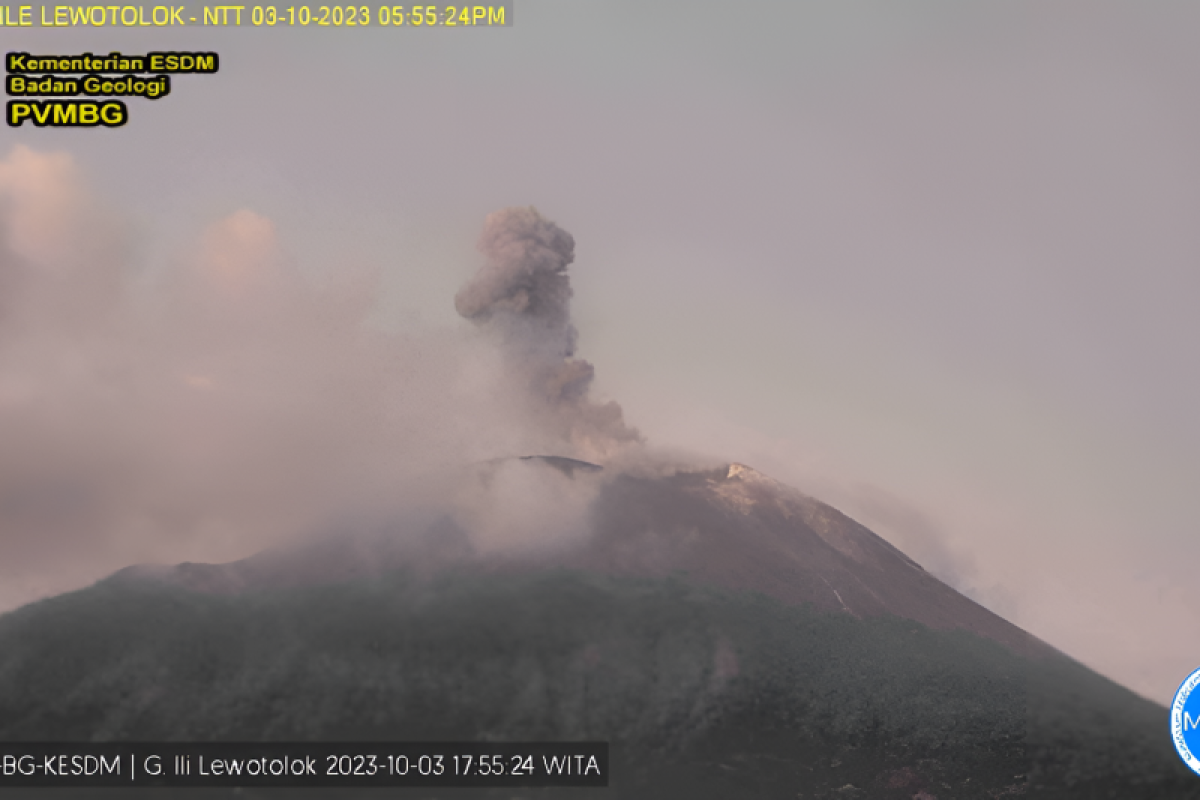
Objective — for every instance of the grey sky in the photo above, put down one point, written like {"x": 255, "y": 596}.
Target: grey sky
{"x": 935, "y": 263}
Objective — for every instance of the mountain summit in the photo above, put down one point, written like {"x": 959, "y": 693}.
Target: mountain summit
{"x": 733, "y": 528}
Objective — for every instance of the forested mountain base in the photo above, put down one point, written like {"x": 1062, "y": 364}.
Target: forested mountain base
{"x": 702, "y": 693}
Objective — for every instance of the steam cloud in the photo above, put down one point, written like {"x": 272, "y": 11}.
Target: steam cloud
{"x": 523, "y": 294}
{"x": 205, "y": 411}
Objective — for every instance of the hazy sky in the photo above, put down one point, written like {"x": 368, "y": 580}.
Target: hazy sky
{"x": 934, "y": 262}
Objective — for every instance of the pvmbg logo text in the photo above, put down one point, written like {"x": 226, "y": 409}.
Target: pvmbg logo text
{"x": 1185, "y": 721}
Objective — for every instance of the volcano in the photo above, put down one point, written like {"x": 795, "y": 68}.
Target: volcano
{"x": 728, "y": 635}
{"x": 733, "y": 528}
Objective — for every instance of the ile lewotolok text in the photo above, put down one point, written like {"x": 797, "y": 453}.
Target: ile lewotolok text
{"x": 48, "y": 76}
{"x": 338, "y": 16}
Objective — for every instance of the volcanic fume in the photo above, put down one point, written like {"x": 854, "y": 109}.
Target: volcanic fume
{"x": 728, "y": 635}
{"x": 522, "y": 294}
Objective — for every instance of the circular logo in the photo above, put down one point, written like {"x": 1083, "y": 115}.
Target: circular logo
{"x": 1185, "y": 721}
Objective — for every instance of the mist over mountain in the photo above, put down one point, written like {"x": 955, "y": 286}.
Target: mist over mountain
{"x": 732, "y": 528}
{"x": 729, "y": 635}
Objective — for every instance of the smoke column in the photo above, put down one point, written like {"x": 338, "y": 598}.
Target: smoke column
{"x": 522, "y": 296}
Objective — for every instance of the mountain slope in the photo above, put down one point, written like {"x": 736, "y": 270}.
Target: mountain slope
{"x": 729, "y": 636}
{"x": 740, "y": 529}
{"x": 734, "y": 528}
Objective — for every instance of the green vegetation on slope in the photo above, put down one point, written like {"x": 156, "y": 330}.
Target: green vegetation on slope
{"x": 702, "y": 693}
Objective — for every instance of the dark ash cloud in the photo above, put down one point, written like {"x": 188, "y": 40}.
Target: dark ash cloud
{"x": 522, "y": 296}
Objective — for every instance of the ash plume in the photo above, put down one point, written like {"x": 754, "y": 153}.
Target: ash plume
{"x": 224, "y": 401}
{"x": 522, "y": 295}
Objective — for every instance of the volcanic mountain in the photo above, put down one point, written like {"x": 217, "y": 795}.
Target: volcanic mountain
{"x": 730, "y": 636}
{"x": 733, "y": 528}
